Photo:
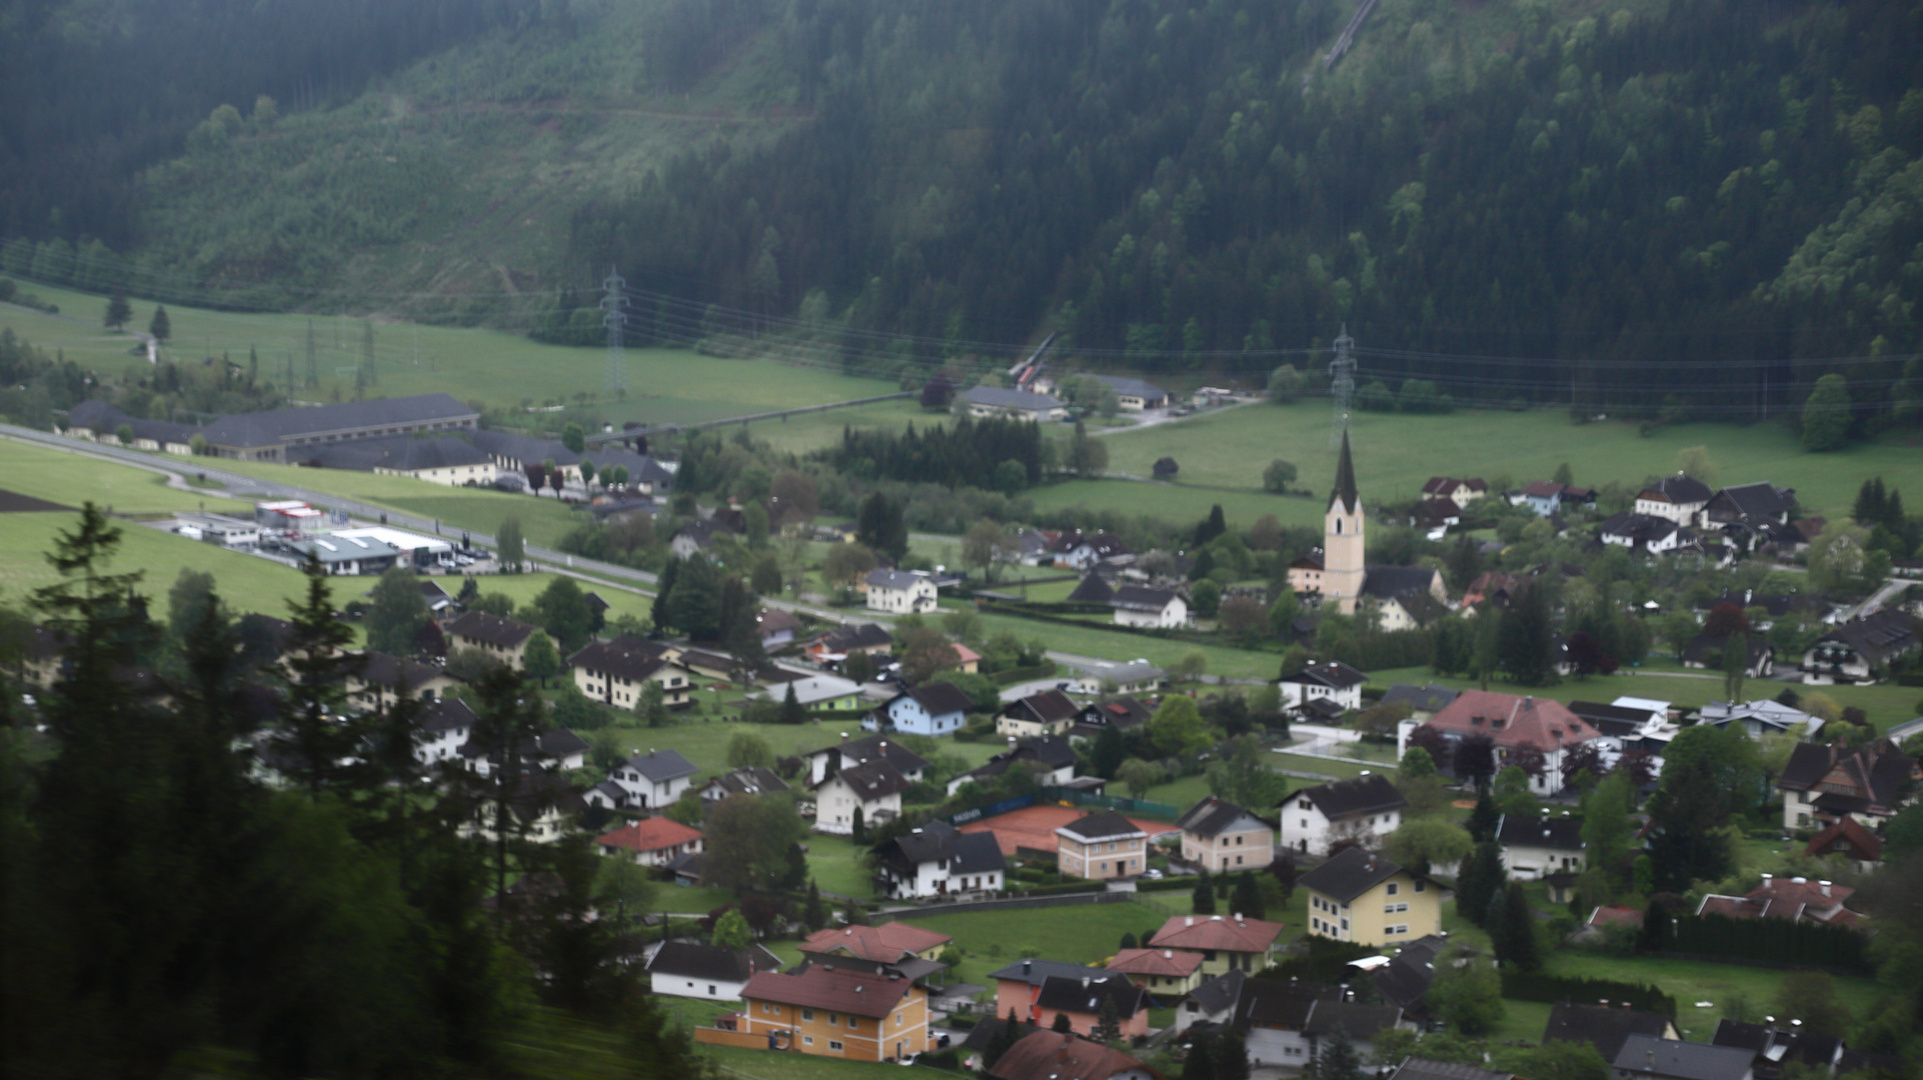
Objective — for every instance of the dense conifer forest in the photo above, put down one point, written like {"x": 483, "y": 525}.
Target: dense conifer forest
{"x": 1687, "y": 206}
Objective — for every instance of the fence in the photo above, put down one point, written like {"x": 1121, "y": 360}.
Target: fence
{"x": 1114, "y": 802}
{"x": 1013, "y": 903}
{"x": 991, "y": 809}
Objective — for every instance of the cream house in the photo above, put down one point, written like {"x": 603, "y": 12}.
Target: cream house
{"x": 1365, "y": 898}
{"x": 900, "y": 592}
{"x": 1224, "y": 838}
{"x": 1101, "y": 845}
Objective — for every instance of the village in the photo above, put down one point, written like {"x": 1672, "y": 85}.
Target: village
{"x": 1360, "y": 875}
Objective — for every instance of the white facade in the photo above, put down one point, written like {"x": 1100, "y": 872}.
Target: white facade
{"x": 692, "y": 986}
{"x": 1306, "y": 830}
{"x": 836, "y": 803}
{"x": 917, "y": 597}
{"x": 1300, "y": 693}
{"x": 1174, "y": 614}
{"x": 647, "y": 793}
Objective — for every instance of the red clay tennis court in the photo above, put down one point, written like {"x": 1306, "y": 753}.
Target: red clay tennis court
{"x": 1034, "y": 826}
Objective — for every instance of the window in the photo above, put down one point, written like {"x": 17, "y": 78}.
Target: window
{"x": 807, "y": 1014}
{"x": 807, "y": 1040}
{"x": 710, "y": 989}
{"x": 1422, "y": 886}
{"x": 854, "y": 1024}
{"x": 1394, "y": 887}
{"x": 835, "y": 1045}
{"x": 833, "y": 1019}
{"x": 899, "y": 1021}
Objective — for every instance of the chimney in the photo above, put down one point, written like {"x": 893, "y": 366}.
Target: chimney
{"x": 1649, "y": 1059}
{"x": 1826, "y": 887}
{"x": 1766, "y": 878}
{"x": 844, "y": 736}
{"x": 1799, "y": 881}
{"x": 1026, "y": 965}
{"x": 1215, "y": 918}
{"x": 1084, "y": 982}
{"x": 1188, "y": 920}
{"x": 1168, "y": 954}
{"x": 1363, "y": 773}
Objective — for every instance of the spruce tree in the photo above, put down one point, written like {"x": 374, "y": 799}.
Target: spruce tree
{"x": 1482, "y": 877}
{"x": 1484, "y": 819}
{"x": 1248, "y": 896}
{"x": 160, "y": 326}
{"x": 1108, "y": 1023}
{"x": 1337, "y": 1059}
{"x": 1202, "y": 902}
{"x": 1200, "y": 1063}
{"x": 663, "y": 590}
{"x": 1009, "y": 1034}
{"x": 1230, "y": 1056}
{"x": 814, "y": 915}
{"x": 1063, "y": 1024}
{"x": 1512, "y": 930}
{"x": 315, "y": 668}
{"x": 118, "y": 311}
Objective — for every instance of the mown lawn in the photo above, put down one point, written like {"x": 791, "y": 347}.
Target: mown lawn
{"x": 1113, "y": 645}
{"x": 1074, "y": 933}
{"x": 1691, "y": 981}
{"x": 72, "y": 479}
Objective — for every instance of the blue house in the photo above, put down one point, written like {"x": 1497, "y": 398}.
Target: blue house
{"x": 936, "y": 708}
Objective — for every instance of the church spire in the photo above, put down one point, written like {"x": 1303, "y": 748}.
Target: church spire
{"x": 1345, "y": 479}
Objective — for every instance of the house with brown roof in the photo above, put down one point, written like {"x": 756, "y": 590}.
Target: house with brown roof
{"x": 1122, "y": 713}
{"x": 500, "y": 638}
{"x": 655, "y": 841}
{"x": 1862, "y": 649}
{"x": 1226, "y": 942}
{"x": 616, "y": 672}
{"x": 1160, "y": 971}
{"x": 1516, "y": 724}
{"x": 849, "y": 751}
{"x": 1224, "y": 838}
{"x": 831, "y": 1012}
{"x": 1794, "y": 899}
{"x": 376, "y": 682}
{"x": 1052, "y": 1055}
{"x": 888, "y": 943}
{"x": 1365, "y": 810}
{"x": 1824, "y": 784}
{"x": 1679, "y": 498}
{"x": 1848, "y": 838}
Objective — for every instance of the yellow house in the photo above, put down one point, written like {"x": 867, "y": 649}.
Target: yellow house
{"x": 1365, "y": 898}
{"x": 1226, "y": 943}
{"x": 1174, "y": 972}
{"x": 854, "y": 1015}
{"x": 615, "y": 672}
{"x": 503, "y": 639}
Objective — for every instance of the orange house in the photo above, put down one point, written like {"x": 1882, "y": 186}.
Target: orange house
{"x": 1084, "y": 999}
{"x": 853, "y": 1015}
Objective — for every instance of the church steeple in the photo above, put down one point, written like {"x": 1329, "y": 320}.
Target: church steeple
{"x": 1344, "y": 479}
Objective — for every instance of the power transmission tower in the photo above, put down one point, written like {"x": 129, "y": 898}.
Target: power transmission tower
{"x": 313, "y": 358}
{"x": 367, "y": 352}
{"x": 614, "y": 308}
{"x": 1342, "y": 384}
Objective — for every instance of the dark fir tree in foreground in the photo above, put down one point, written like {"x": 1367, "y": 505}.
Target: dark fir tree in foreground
{"x": 336, "y": 925}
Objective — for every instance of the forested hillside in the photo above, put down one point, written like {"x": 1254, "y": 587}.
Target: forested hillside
{"x": 1687, "y": 205}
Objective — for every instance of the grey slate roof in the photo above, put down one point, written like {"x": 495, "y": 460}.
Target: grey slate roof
{"x": 871, "y": 780}
{"x": 1049, "y": 706}
{"x": 994, "y": 397}
{"x": 892, "y": 579}
{"x": 749, "y": 780}
{"x": 1141, "y": 598}
{"x": 103, "y": 418}
{"x": 1363, "y": 795}
{"x": 1358, "y": 1022}
{"x": 1384, "y": 582}
{"x": 1035, "y": 972}
{"x": 1879, "y": 636}
{"x": 493, "y": 629}
{"x": 712, "y": 962}
{"x": 1751, "y": 502}
{"x": 660, "y": 766}
{"x": 940, "y": 698}
{"x": 1212, "y": 816}
{"x": 1349, "y": 874}
{"x": 1406, "y": 977}
{"x": 869, "y": 747}
{"x": 940, "y": 842}
{"x": 1427, "y": 699}
{"x": 1678, "y": 490}
{"x": 447, "y": 714}
{"x": 1219, "y": 993}
{"x": 1561, "y": 833}
{"x": 1643, "y": 1055}
{"x": 1102, "y": 824}
{"x": 1600, "y": 1026}
{"x": 1333, "y": 674}
{"x": 1086, "y": 995}
{"x": 278, "y": 426}
{"x": 1124, "y": 385}
{"x": 1093, "y": 589}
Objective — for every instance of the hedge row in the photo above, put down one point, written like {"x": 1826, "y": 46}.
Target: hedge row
{"x": 1556, "y": 988}
{"x": 1781, "y": 941}
{"x": 1066, "y": 888}
{"x": 1167, "y": 884}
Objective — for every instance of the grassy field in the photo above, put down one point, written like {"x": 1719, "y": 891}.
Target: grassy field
{"x": 674, "y": 386}
{"x": 1691, "y": 981}
{"x": 71, "y": 479}
{"x": 1109, "y": 644}
{"x": 1076, "y": 933}
{"x": 1395, "y": 455}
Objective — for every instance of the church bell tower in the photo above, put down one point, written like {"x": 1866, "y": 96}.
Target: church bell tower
{"x": 1343, "y": 569}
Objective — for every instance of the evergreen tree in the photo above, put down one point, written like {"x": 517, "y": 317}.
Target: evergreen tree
{"x": 160, "y": 326}
{"x": 513, "y": 793}
{"x": 880, "y": 527}
{"x": 510, "y": 548}
{"x": 1481, "y": 878}
{"x": 1337, "y": 1059}
{"x": 694, "y": 606}
{"x": 766, "y": 578}
{"x": 1128, "y": 941}
{"x": 565, "y": 613}
{"x": 1868, "y": 509}
{"x": 652, "y": 705}
{"x": 1108, "y": 1022}
{"x": 814, "y": 914}
{"x": 792, "y": 710}
{"x": 1063, "y": 1024}
{"x": 1826, "y": 415}
{"x": 1511, "y": 926}
{"x": 1527, "y": 636}
{"x": 860, "y": 828}
{"x": 1007, "y": 1035}
{"x": 1248, "y": 898}
{"x": 539, "y": 660}
{"x": 1211, "y": 527}
{"x": 663, "y": 593}
{"x": 1108, "y": 753}
{"x": 1230, "y": 1056}
{"x": 1202, "y": 900}
{"x": 395, "y": 613}
{"x": 316, "y": 667}
{"x": 1686, "y": 818}
{"x": 1200, "y": 1063}
{"x": 118, "y": 311}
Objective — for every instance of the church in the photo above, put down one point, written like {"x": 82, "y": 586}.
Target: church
{"x": 1408, "y": 597}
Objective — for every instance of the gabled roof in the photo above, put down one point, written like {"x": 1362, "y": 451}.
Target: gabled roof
{"x": 661, "y": 766}
{"x": 1219, "y": 993}
{"x": 859, "y": 636}
{"x": 1560, "y": 833}
{"x": 712, "y": 962}
{"x": 888, "y": 942}
{"x": 901, "y": 580}
{"x": 822, "y": 987}
{"x": 1333, "y": 674}
{"x": 1539, "y": 723}
{"x": 1126, "y": 386}
{"x": 493, "y": 629}
{"x": 1877, "y": 636}
{"x": 1212, "y": 816}
{"x": 1679, "y": 490}
{"x": 1371, "y": 794}
{"x": 650, "y": 834}
{"x": 387, "y": 670}
{"x": 869, "y": 747}
{"x": 1047, "y": 707}
{"x": 1035, "y": 972}
{"x": 1121, "y": 712}
{"x": 1093, "y": 589}
{"x": 1054, "y": 1055}
{"x": 1143, "y": 598}
{"x": 1448, "y": 485}
{"x": 1049, "y": 751}
{"x": 749, "y": 780}
{"x": 942, "y": 844}
{"x": 1358, "y": 1022}
{"x": 1397, "y": 582}
{"x": 1232, "y": 933}
{"x": 773, "y": 620}
{"x": 871, "y": 780}
{"x": 940, "y": 698}
{"x": 1172, "y": 963}
{"x": 622, "y": 658}
{"x": 1616, "y": 720}
{"x": 1600, "y": 1026}
{"x": 994, "y": 397}
{"x": 1427, "y": 699}
{"x": 447, "y": 714}
{"x": 1087, "y": 994}
{"x": 1774, "y": 1047}
{"x": 1406, "y": 977}
{"x": 1749, "y": 501}
{"x": 1101, "y": 825}
{"x": 1284, "y": 1004}
{"x": 1351, "y": 873}
{"x": 1649, "y": 1056}
{"x": 277, "y": 426}
{"x": 1847, "y": 837}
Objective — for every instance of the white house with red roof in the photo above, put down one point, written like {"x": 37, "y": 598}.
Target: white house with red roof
{"x": 656, "y": 841}
{"x": 1516, "y": 725}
